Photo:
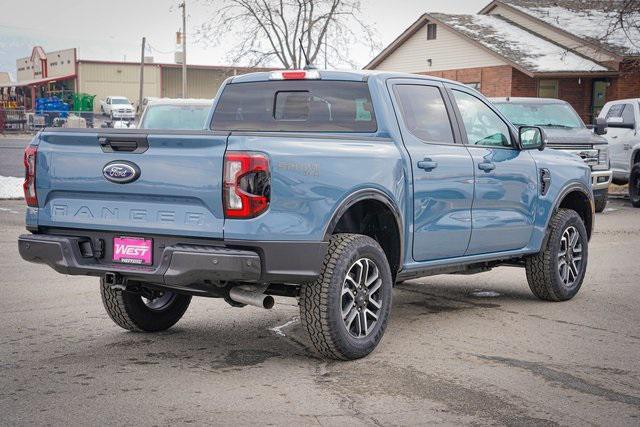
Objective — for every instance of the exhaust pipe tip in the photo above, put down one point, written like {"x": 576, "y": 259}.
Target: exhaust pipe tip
{"x": 268, "y": 302}
{"x": 257, "y": 299}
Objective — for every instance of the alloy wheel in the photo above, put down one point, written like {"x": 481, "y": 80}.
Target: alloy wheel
{"x": 570, "y": 256}
{"x": 361, "y": 298}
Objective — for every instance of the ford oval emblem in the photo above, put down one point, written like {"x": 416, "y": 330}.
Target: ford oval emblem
{"x": 121, "y": 172}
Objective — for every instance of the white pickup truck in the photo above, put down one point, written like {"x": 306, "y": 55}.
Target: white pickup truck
{"x": 623, "y": 123}
{"x": 118, "y": 108}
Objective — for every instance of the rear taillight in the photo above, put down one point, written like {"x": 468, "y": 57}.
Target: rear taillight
{"x": 247, "y": 184}
{"x": 29, "y": 185}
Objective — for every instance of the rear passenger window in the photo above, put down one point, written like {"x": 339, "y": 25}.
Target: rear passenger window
{"x": 424, "y": 113}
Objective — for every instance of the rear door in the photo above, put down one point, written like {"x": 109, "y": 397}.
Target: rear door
{"x": 506, "y": 186}
{"x": 177, "y": 190}
{"x": 442, "y": 170}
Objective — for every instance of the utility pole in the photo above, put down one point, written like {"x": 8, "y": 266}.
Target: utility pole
{"x": 144, "y": 42}
{"x": 183, "y": 6}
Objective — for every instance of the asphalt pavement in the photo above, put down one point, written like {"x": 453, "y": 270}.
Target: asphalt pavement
{"x": 11, "y": 152}
{"x": 458, "y": 350}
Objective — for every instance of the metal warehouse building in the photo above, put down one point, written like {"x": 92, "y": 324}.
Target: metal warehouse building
{"x": 105, "y": 78}
{"x": 42, "y": 74}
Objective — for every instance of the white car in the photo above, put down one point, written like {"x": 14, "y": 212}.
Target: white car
{"x": 182, "y": 114}
{"x": 118, "y": 108}
{"x": 623, "y": 124}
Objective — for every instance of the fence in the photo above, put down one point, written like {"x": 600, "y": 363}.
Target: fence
{"x": 20, "y": 120}
{"x": 13, "y": 119}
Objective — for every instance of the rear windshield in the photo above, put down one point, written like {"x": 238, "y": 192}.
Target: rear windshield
{"x": 295, "y": 106}
{"x": 182, "y": 117}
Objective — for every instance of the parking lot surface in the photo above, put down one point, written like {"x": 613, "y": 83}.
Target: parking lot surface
{"x": 11, "y": 152}
{"x": 459, "y": 349}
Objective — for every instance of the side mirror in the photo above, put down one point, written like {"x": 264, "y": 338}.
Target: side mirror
{"x": 531, "y": 138}
{"x": 601, "y": 126}
{"x": 618, "y": 122}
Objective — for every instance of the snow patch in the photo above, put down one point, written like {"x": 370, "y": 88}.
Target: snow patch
{"x": 519, "y": 45}
{"x": 11, "y": 187}
{"x": 591, "y": 24}
{"x": 478, "y": 293}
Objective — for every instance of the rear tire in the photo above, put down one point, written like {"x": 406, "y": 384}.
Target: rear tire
{"x": 634, "y": 185}
{"x": 557, "y": 271}
{"x": 601, "y": 202}
{"x": 345, "y": 311}
{"x": 130, "y": 311}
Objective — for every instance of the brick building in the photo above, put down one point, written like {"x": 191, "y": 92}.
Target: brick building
{"x": 536, "y": 48}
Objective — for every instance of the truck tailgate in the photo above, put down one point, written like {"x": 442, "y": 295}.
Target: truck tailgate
{"x": 178, "y": 190}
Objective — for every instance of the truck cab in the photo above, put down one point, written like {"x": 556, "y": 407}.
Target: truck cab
{"x": 324, "y": 186}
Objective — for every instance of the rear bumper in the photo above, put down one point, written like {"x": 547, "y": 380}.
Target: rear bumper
{"x": 192, "y": 266}
{"x": 600, "y": 180}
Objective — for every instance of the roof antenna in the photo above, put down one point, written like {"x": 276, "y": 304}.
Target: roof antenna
{"x": 307, "y": 65}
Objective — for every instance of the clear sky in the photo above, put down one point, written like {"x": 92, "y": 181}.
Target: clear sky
{"x": 112, "y": 29}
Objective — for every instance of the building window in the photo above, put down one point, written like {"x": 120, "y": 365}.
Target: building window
{"x": 473, "y": 85}
{"x": 431, "y": 31}
{"x": 547, "y": 89}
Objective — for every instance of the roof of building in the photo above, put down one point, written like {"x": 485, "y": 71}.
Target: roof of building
{"x": 23, "y": 83}
{"x": 239, "y": 68}
{"x": 518, "y": 45}
{"x": 591, "y": 20}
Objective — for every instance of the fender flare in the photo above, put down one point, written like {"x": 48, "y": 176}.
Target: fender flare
{"x": 367, "y": 194}
{"x": 574, "y": 186}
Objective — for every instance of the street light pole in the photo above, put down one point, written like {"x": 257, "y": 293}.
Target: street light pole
{"x": 184, "y": 48}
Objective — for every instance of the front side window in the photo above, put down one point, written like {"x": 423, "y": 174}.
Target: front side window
{"x": 482, "y": 125}
{"x": 551, "y": 115}
{"x": 622, "y": 112}
{"x": 424, "y": 113}
{"x": 295, "y": 106}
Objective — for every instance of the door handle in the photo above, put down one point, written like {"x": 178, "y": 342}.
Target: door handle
{"x": 134, "y": 143}
{"x": 427, "y": 164}
{"x": 486, "y": 166}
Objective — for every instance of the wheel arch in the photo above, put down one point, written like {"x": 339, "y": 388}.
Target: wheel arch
{"x": 635, "y": 157}
{"x": 576, "y": 197}
{"x": 385, "y": 210}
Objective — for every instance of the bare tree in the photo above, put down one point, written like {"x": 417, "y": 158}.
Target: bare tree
{"x": 623, "y": 25}
{"x": 275, "y": 32}
{"x": 623, "y": 20}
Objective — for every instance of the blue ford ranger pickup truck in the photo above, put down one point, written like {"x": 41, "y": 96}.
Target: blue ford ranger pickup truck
{"x": 324, "y": 186}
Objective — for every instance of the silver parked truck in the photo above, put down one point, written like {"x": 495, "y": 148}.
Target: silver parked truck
{"x": 623, "y": 125}
{"x": 566, "y": 131}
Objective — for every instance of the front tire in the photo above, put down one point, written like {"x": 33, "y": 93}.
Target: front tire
{"x": 557, "y": 271}
{"x": 345, "y": 311}
{"x": 601, "y": 202}
{"x": 634, "y": 185}
{"x": 133, "y": 312}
